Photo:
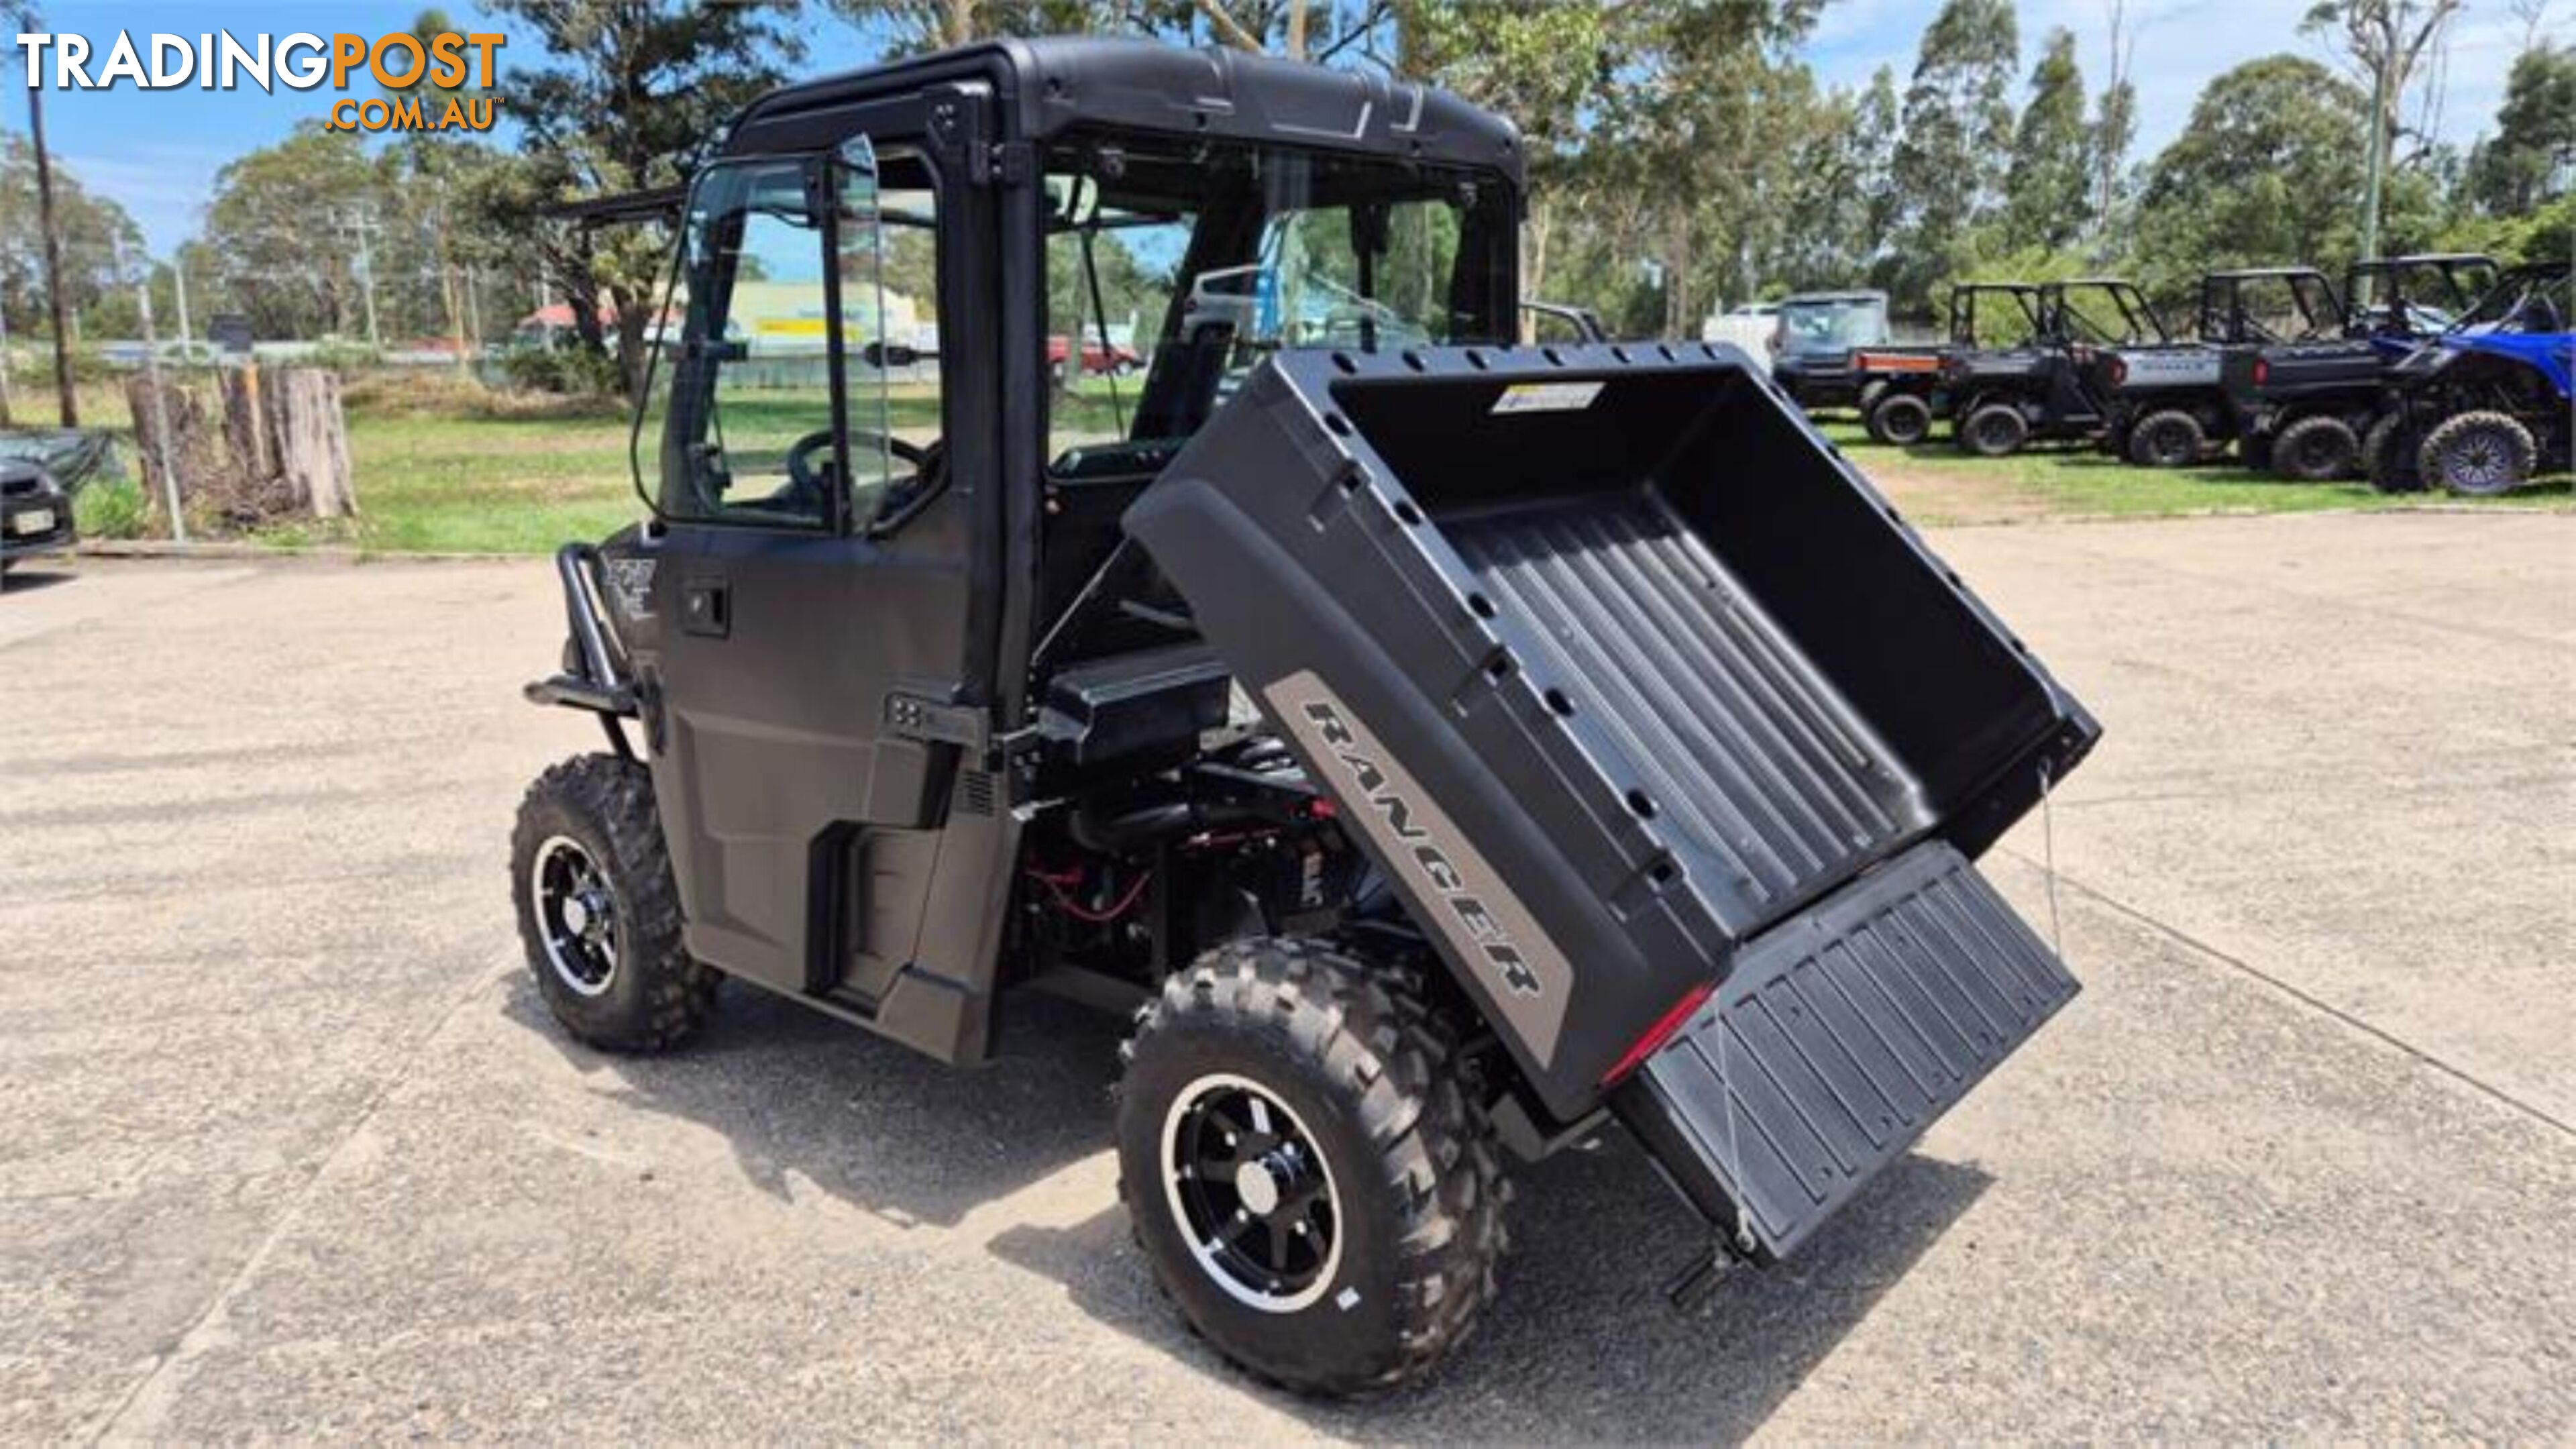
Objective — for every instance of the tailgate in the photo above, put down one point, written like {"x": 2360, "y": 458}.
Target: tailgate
{"x": 1606, "y": 658}
{"x": 1838, "y": 1037}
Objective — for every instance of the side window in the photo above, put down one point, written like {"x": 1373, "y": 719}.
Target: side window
{"x": 741, "y": 399}
{"x": 889, "y": 266}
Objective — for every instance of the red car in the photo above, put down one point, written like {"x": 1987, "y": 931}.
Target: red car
{"x": 1115, "y": 359}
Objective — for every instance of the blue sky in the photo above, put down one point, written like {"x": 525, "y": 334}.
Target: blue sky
{"x": 157, "y": 152}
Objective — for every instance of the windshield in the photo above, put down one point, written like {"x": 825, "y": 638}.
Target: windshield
{"x": 1174, "y": 266}
{"x": 1838, "y": 325}
{"x": 2528, "y": 299}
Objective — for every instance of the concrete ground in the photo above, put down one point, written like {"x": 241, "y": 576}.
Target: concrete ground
{"x": 289, "y": 1149}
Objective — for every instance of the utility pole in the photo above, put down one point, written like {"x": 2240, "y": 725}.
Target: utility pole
{"x": 187, "y": 338}
{"x": 160, "y": 397}
{"x": 365, "y": 225}
{"x": 66, "y": 401}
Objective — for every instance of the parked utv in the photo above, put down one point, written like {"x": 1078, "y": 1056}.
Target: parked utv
{"x": 1811, "y": 346}
{"x": 2044, "y": 388}
{"x": 1899, "y": 389}
{"x": 2484, "y": 406}
{"x": 2304, "y": 404}
{"x": 2165, "y": 404}
{"x": 1446, "y": 749}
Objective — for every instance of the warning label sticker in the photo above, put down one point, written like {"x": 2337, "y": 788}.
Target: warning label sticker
{"x": 1547, "y": 397}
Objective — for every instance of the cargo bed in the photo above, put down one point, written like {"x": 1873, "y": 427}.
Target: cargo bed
{"x": 1608, "y": 658}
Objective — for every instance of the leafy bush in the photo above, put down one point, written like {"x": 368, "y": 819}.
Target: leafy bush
{"x": 111, "y": 508}
{"x": 564, "y": 367}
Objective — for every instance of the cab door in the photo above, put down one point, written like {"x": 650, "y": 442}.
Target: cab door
{"x": 812, "y": 691}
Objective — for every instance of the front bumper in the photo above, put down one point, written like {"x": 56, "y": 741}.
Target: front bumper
{"x": 37, "y": 523}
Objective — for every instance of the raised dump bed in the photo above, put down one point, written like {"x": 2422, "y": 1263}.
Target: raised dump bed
{"x": 1615, "y": 664}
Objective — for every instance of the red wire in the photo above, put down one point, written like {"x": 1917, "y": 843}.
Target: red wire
{"x": 1084, "y": 913}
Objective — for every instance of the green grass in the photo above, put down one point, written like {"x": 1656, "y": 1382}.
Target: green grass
{"x": 2075, "y": 481}
{"x": 431, "y": 482}
{"x": 467, "y": 472}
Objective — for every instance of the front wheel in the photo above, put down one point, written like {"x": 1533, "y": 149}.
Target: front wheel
{"x": 598, "y": 911}
{"x": 1306, "y": 1169}
{"x": 2479, "y": 454}
{"x": 2388, "y": 455}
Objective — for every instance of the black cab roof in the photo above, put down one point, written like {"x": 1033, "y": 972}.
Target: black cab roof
{"x": 1045, "y": 87}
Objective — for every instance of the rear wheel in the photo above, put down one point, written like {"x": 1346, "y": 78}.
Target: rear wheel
{"x": 2315, "y": 450}
{"x": 2389, "y": 455}
{"x": 1993, "y": 431}
{"x": 2170, "y": 438}
{"x": 1306, "y": 1169}
{"x": 598, "y": 912}
{"x": 2479, "y": 454}
{"x": 1899, "y": 418}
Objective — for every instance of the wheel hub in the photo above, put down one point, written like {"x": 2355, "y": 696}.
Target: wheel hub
{"x": 576, "y": 915}
{"x": 1251, "y": 1194}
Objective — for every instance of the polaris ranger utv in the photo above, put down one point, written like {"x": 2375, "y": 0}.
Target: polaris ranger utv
{"x": 1446, "y": 749}
{"x": 1898, "y": 388}
{"x": 2044, "y": 388}
{"x": 2304, "y": 405}
{"x": 2165, "y": 404}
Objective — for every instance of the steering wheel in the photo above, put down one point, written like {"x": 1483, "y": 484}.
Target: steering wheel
{"x": 802, "y": 459}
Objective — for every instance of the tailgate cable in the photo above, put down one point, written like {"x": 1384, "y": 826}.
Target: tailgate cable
{"x": 2048, "y": 862}
{"x": 1697, "y": 1281}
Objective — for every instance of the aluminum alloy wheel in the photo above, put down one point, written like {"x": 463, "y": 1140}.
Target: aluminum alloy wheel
{"x": 576, "y": 914}
{"x": 1251, "y": 1193}
{"x": 2477, "y": 463}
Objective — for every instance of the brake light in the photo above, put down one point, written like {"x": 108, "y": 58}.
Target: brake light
{"x": 1665, "y": 1028}
{"x": 2262, "y": 371}
{"x": 2119, "y": 371}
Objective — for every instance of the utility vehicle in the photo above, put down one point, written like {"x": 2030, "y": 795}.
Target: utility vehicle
{"x": 2043, "y": 387}
{"x": 1899, "y": 389}
{"x": 2165, "y": 404}
{"x": 1448, "y": 750}
{"x": 1811, "y": 345}
{"x": 2485, "y": 405}
{"x": 2304, "y": 397}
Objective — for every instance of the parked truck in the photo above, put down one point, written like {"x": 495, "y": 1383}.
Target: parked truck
{"x": 1446, "y": 751}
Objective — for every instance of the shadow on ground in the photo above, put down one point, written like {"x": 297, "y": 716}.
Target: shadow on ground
{"x": 27, "y": 578}
{"x": 1581, "y": 1344}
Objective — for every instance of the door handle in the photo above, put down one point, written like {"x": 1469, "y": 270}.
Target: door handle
{"x": 706, "y": 608}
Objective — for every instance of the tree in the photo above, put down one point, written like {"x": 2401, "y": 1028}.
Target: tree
{"x": 278, "y": 231}
{"x": 633, "y": 95}
{"x": 1958, "y": 130}
{"x": 2383, "y": 43}
{"x": 2528, "y": 160}
{"x": 2264, "y": 172}
{"x": 2049, "y": 181}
